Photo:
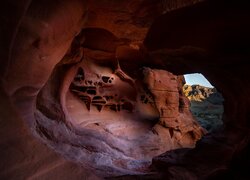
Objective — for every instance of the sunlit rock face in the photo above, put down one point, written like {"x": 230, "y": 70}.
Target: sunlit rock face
{"x": 206, "y": 105}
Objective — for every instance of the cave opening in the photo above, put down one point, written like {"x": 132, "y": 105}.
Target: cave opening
{"x": 206, "y": 102}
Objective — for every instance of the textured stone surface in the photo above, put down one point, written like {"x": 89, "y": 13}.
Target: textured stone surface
{"x": 107, "y": 114}
{"x": 39, "y": 35}
{"x": 164, "y": 88}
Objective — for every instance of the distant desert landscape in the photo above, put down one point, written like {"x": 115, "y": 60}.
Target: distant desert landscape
{"x": 206, "y": 105}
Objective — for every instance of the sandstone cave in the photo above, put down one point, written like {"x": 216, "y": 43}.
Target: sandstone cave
{"x": 93, "y": 89}
{"x": 206, "y": 102}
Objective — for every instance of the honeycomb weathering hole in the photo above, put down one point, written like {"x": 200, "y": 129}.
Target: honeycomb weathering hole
{"x": 113, "y": 123}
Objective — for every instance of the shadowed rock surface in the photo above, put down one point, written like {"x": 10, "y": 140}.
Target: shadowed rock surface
{"x": 57, "y": 123}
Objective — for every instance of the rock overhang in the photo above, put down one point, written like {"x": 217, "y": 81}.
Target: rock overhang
{"x": 215, "y": 64}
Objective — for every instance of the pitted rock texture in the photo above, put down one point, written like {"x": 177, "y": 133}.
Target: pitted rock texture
{"x": 173, "y": 109}
{"x": 108, "y": 115}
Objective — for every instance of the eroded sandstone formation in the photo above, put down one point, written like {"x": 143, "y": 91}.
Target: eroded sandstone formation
{"x": 58, "y": 59}
{"x": 115, "y": 124}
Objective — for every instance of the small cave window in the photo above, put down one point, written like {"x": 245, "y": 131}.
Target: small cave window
{"x": 206, "y": 102}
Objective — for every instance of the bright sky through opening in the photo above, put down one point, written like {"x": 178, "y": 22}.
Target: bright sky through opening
{"x": 197, "y": 78}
